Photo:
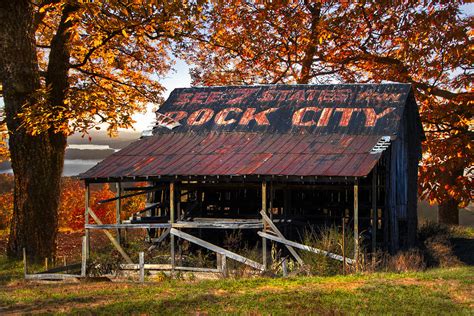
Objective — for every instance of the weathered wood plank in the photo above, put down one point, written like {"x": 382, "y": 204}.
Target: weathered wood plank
{"x": 84, "y": 256}
{"x": 74, "y": 266}
{"x": 264, "y": 241}
{"x": 127, "y": 225}
{"x": 141, "y": 264}
{"x": 111, "y": 238}
{"x": 162, "y": 237}
{"x": 222, "y": 251}
{"x": 126, "y": 196}
{"x": 356, "y": 223}
{"x": 279, "y": 234}
{"x": 25, "y": 268}
{"x": 217, "y": 225}
{"x": 304, "y": 247}
{"x": 166, "y": 267}
{"x": 172, "y": 206}
{"x": 118, "y": 209}
{"x": 51, "y": 276}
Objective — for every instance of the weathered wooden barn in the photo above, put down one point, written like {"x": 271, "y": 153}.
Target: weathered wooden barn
{"x": 305, "y": 155}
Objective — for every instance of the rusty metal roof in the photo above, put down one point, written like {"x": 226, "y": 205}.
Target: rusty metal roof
{"x": 285, "y": 130}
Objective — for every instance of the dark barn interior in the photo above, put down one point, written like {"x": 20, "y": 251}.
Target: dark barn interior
{"x": 306, "y": 155}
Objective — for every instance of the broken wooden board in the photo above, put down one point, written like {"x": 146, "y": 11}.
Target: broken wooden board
{"x": 222, "y": 251}
{"x": 127, "y": 225}
{"x": 279, "y": 234}
{"x": 111, "y": 238}
{"x": 166, "y": 267}
{"x": 219, "y": 224}
{"x": 51, "y": 276}
{"x": 304, "y": 247}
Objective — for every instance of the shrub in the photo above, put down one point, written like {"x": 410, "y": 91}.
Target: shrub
{"x": 328, "y": 239}
{"x": 434, "y": 240}
{"x": 410, "y": 260}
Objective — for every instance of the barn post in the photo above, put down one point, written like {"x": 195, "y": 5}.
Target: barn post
{"x": 286, "y": 208}
{"x": 118, "y": 208}
{"x": 264, "y": 240}
{"x": 171, "y": 222}
{"x": 374, "y": 213}
{"x": 356, "y": 223}
{"x": 86, "y": 220}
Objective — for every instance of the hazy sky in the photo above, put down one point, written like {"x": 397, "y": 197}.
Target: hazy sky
{"x": 178, "y": 78}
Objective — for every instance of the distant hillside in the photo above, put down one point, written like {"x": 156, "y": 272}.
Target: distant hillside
{"x": 101, "y": 138}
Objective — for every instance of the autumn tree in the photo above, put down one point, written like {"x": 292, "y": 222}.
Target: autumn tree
{"x": 425, "y": 44}
{"x": 67, "y": 66}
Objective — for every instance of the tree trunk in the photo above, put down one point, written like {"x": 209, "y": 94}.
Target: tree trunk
{"x": 448, "y": 212}
{"x": 311, "y": 49}
{"x": 37, "y": 161}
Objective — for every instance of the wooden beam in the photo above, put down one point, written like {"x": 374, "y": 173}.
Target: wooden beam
{"x": 51, "y": 276}
{"x": 141, "y": 263}
{"x": 25, "y": 268}
{"x": 126, "y": 196}
{"x": 73, "y": 266}
{"x": 217, "y": 249}
{"x": 118, "y": 209}
{"x": 149, "y": 207}
{"x": 158, "y": 240}
{"x": 374, "y": 213}
{"x": 217, "y": 225}
{"x": 84, "y": 257}
{"x": 356, "y": 223}
{"x": 304, "y": 247}
{"x": 284, "y": 267}
{"x": 111, "y": 238}
{"x": 151, "y": 266}
{"x": 128, "y": 225}
{"x": 86, "y": 217}
{"x": 172, "y": 210}
{"x": 264, "y": 209}
{"x": 275, "y": 229}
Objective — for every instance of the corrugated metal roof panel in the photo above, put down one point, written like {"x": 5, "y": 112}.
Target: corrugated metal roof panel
{"x": 241, "y": 154}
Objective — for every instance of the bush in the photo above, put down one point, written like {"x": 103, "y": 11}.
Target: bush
{"x": 404, "y": 261}
{"x": 328, "y": 239}
{"x": 434, "y": 240}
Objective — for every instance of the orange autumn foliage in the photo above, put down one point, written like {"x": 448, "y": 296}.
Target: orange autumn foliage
{"x": 6, "y": 209}
{"x": 425, "y": 44}
{"x": 71, "y": 209}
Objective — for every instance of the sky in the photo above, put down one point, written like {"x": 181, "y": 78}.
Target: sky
{"x": 177, "y": 78}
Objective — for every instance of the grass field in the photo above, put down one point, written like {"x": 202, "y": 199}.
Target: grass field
{"x": 434, "y": 292}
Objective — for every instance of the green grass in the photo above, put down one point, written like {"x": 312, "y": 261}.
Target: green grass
{"x": 434, "y": 292}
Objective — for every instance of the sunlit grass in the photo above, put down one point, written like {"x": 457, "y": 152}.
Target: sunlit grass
{"x": 437, "y": 291}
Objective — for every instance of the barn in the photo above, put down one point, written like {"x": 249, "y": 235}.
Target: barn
{"x": 273, "y": 160}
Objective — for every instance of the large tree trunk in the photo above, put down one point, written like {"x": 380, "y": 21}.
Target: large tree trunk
{"x": 37, "y": 161}
{"x": 448, "y": 212}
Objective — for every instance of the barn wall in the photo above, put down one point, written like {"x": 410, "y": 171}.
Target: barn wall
{"x": 402, "y": 177}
